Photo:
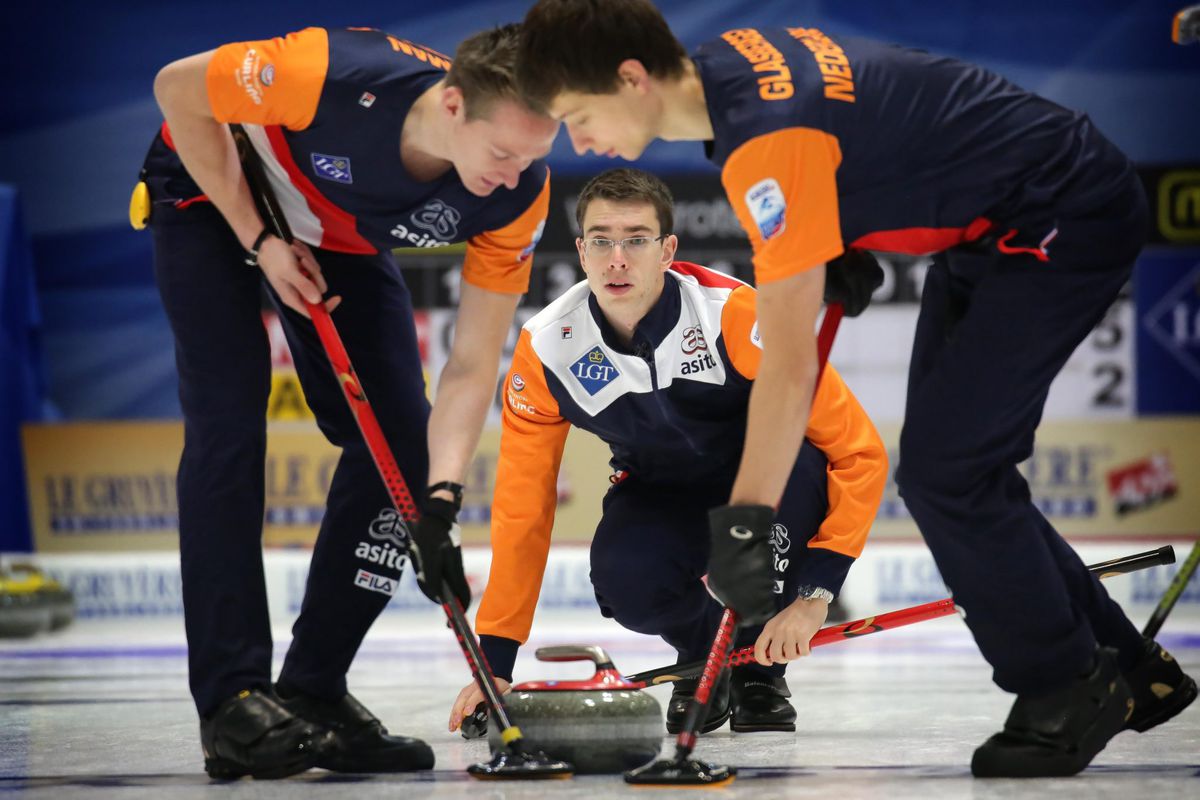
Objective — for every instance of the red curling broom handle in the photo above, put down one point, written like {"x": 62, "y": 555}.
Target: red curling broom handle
{"x": 372, "y": 434}
{"x": 719, "y": 656}
{"x": 894, "y": 619}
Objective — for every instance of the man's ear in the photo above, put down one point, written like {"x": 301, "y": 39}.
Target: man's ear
{"x": 632, "y": 73}
{"x": 453, "y": 102}
{"x": 670, "y": 246}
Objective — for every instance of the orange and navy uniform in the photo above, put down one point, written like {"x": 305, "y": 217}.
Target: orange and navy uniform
{"x": 827, "y": 143}
{"x": 324, "y": 110}
{"x": 672, "y": 408}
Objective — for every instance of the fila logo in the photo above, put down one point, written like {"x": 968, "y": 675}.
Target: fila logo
{"x": 376, "y": 583}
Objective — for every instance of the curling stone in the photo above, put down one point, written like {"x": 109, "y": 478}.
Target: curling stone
{"x": 23, "y": 610}
{"x": 59, "y": 598}
{"x": 601, "y": 725}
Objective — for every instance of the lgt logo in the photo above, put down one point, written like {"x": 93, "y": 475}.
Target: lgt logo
{"x": 594, "y": 371}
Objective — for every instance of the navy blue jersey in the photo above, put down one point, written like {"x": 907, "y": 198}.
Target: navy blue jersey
{"x": 324, "y": 110}
{"x": 826, "y": 144}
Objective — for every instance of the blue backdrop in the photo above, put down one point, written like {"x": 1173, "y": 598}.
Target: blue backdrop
{"x": 78, "y": 114}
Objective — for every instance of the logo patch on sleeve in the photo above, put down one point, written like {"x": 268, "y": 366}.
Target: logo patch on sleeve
{"x": 332, "y": 168}
{"x": 594, "y": 371}
{"x": 767, "y": 207}
{"x": 376, "y": 583}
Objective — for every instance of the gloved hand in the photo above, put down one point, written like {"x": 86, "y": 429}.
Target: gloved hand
{"x": 851, "y": 279}
{"x": 436, "y": 554}
{"x": 741, "y": 564}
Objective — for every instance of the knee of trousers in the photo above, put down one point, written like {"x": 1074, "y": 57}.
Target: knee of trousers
{"x": 640, "y": 602}
{"x": 932, "y": 465}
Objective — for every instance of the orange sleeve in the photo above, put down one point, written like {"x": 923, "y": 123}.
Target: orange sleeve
{"x": 858, "y": 465}
{"x": 532, "y": 439}
{"x": 739, "y": 329}
{"x": 501, "y": 260}
{"x": 783, "y": 187}
{"x": 271, "y": 82}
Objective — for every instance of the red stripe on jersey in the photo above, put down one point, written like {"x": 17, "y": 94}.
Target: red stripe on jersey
{"x": 921, "y": 241}
{"x": 706, "y": 276}
{"x": 340, "y": 231}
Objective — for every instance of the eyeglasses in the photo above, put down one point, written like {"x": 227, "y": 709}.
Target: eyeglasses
{"x": 634, "y": 246}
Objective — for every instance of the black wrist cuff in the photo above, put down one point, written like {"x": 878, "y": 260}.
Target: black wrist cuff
{"x": 252, "y": 253}
{"x": 453, "y": 488}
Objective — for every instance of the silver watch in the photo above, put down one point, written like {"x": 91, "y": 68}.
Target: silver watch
{"x": 815, "y": 593}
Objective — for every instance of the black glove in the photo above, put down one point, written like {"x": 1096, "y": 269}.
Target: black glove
{"x": 741, "y": 566}
{"x": 851, "y": 279}
{"x": 435, "y": 556}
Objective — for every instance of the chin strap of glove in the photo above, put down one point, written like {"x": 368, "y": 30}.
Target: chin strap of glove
{"x": 435, "y": 546}
{"x": 741, "y": 565}
{"x": 851, "y": 279}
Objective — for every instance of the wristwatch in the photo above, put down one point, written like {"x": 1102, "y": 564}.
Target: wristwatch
{"x": 815, "y": 593}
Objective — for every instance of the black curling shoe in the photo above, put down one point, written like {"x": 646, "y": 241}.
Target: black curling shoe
{"x": 251, "y": 734}
{"x": 359, "y": 742}
{"x": 760, "y": 703}
{"x": 1058, "y": 733}
{"x": 1160, "y": 689}
{"x": 681, "y": 699}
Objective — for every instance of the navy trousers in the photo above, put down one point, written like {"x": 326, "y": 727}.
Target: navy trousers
{"x": 213, "y": 302}
{"x": 652, "y": 545}
{"x": 995, "y": 328}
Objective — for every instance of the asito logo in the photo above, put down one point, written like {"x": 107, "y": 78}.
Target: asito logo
{"x": 438, "y": 218}
{"x": 700, "y": 363}
{"x": 384, "y": 555}
{"x": 594, "y": 371}
{"x": 693, "y": 340}
{"x": 389, "y": 526}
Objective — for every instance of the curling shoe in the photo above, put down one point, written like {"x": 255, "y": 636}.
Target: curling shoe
{"x": 1160, "y": 688}
{"x": 760, "y": 702}
{"x": 1058, "y": 733}
{"x": 359, "y": 742}
{"x": 251, "y": 734}
{"x": 681, "y": 700}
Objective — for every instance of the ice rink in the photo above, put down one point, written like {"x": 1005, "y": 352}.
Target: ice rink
{"x": 102, "y": 710}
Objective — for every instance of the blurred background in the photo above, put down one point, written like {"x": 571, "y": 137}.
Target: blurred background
{"x": 89, "y": 418}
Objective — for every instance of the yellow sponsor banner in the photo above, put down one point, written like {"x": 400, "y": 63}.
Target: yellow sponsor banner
{"x": 111, "y": 486}
{"x": 1121, "y": 478}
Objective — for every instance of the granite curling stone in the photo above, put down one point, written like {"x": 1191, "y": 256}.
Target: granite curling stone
{"x": 601, "y": 725}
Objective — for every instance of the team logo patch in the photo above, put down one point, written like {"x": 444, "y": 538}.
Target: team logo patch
{"x": 439, "y": 219}
{"x": 594, "y": 371}
{"x": 389, "y": 526}
{"x": 767, "y": 207}
{"x": 267, "y": 76}
{"x": 376, "y": 583}
{"x": 533, "y": 243}
{"x": 366, "y": 100}
{"x": 518, "y": 383}
{"x": 332, "y": 168}
{"x": 755, "y": 337}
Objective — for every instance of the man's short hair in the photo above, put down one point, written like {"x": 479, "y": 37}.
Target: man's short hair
{"x": 485, "y": 69}
{"x": 577, "y": 46}
{"x": 628, "y": 185}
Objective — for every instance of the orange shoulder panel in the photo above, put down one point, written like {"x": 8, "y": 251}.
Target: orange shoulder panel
{"x": 501, "y": 260}
{"x": 531, "y": 445}
{"x": 783, "y": 187}
{"x": 271, "y": 82}
{"x": 858, "y": 465}
{"x": 738, "y": 319}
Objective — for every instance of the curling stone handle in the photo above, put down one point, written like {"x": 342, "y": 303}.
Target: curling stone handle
{"x": 576, "y": 652}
